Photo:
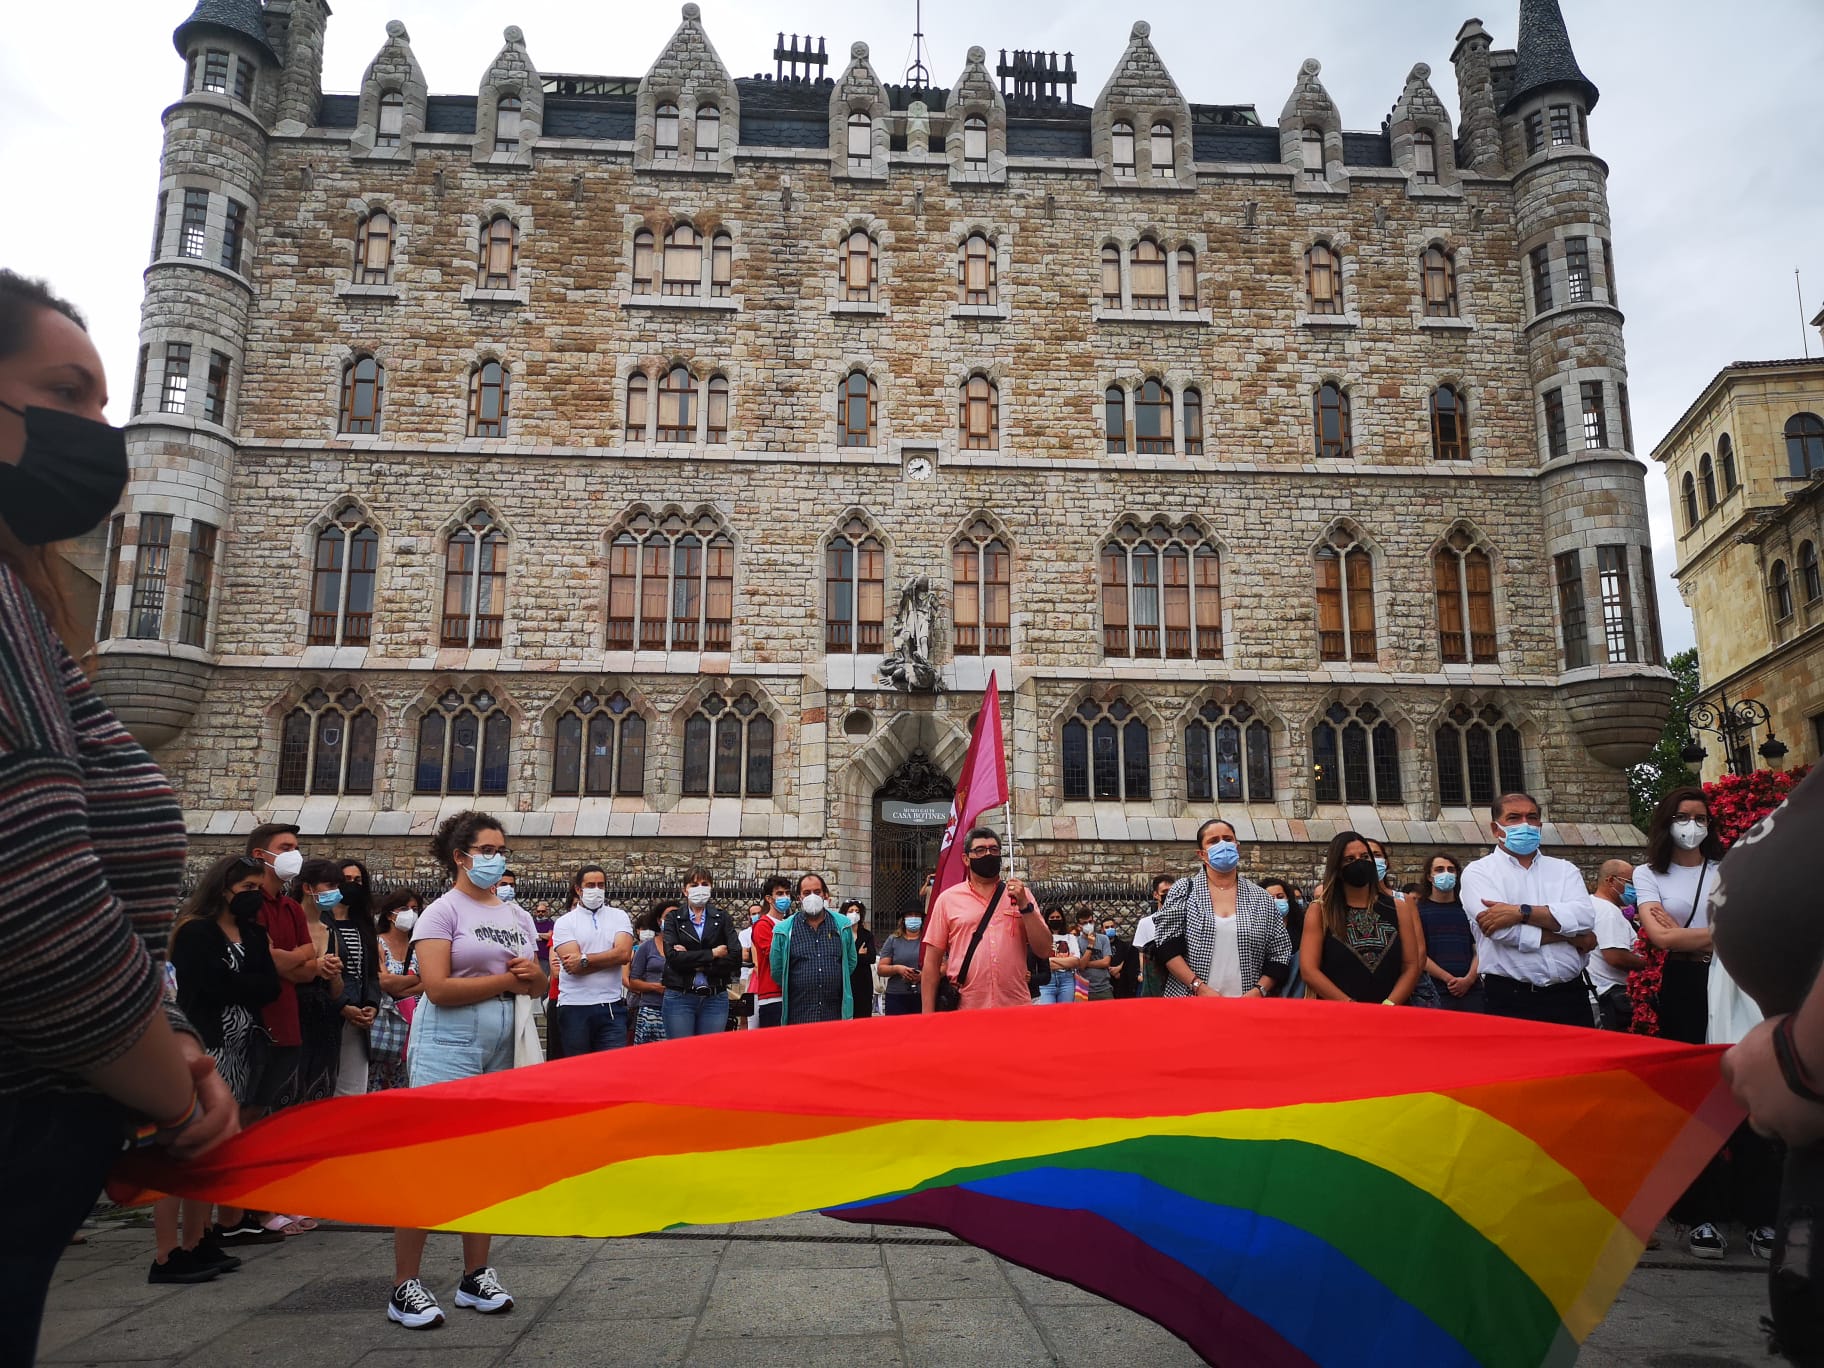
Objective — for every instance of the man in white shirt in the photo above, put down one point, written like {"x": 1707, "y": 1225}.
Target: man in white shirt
{"x": 1614, "y": 955}
{"x": 1152, "y": 974}
{"x": 593, "y": 942}
{"x": 1532, "y": 920}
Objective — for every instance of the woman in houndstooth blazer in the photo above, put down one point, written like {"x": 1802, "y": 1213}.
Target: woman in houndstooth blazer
{"x": 1220, "y": 934}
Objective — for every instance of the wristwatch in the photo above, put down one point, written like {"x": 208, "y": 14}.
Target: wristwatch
{"x": 1197, "y": 983}
{"x": 1526, "y": 913}
{"x": 583, "y": 963}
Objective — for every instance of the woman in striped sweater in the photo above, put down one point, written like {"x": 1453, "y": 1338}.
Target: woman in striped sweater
{"x": 93, "y": 840}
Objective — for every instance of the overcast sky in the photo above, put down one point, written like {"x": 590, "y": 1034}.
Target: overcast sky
{"x": 1710, "y": 119}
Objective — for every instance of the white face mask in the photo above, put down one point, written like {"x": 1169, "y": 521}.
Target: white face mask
{"x": 287, "y": 864}
{"x": 1689, "y": 832}
{"x": 854, "y": 919}
{"x": 813, "y": 903}
{"x": 697, "y": 895}
{"x": 647, "y": 934}
{"x": 405, "y": 919}
{"x": 593, "y": 898}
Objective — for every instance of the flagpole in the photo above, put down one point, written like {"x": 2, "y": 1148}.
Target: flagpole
{"x": 1007, "y": 809}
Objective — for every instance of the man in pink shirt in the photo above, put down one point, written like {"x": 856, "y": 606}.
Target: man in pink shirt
{"x": 997, "y": 974}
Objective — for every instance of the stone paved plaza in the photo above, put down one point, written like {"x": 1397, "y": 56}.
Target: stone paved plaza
{"x": 803, "y": 1291}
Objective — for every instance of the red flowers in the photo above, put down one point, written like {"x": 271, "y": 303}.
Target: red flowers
{"x": 1737, "y": 802}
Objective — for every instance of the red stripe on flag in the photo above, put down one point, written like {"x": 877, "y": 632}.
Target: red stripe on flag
{"x": 981, "y": 785}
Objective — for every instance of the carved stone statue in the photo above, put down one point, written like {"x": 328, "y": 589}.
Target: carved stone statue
{"x": 910, "y": 668}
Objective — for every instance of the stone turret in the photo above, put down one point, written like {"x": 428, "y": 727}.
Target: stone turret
{"x": 1615, "y": 688}
{"x": 690, "y": 83}
{"x": 1141, "y": 96}
{"x": 296, "y": 30}
{"x": 155, "y": 652}
{"x": 1310, "y": 110}
{"x": 1480, "y": 121}
{"x": 860, "y": 139}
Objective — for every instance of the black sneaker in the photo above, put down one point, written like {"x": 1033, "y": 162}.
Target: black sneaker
{"x": 413, "y": 1306}
{"x": 1707, "y": 1242}
{"x": 182, "y": 1266}
{"x": 1760, "y": 1242}
{"x": 245, "y": 1231}
{"x": 210, "y": 1251}
{"x": 482, "y": 1290}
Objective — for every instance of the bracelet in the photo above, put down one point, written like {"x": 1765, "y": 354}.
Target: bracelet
{"x": 145, "y": 1134}
{"x": 1389, "y": 1002}
{"x": 1792, "y": 1068}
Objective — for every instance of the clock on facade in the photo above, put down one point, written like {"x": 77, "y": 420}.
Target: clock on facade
{"x": 920, "y": 468}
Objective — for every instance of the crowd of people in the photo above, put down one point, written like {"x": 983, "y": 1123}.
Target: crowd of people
{"x": 282, "y": 979}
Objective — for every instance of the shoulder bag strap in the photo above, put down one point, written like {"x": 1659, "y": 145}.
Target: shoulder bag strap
{"x": 981, "y": 928}
{"x": 1697, "y": 900}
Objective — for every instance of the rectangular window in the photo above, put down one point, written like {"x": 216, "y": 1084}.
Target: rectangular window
{"x": 1571, "y": 617}
{"x": 110, "y": 578}
{"x": 1627, "y": 419}
{"x": 1617, "y": 603}
{"x": 1608, "y": 271}
{"x": 151, "y": 570}
{"x": 1535, "y": 132}
{"x": 193, "y": 234}
{"x": 215, "y": 396}
{"x": 215, "y": 72}
{"x": 1563, "y": 131}
{"x": 243, "y": 80}
{"x": 139, "y": 382}
{"x": 234, "y": 230}
{"x": 1557, "y": 439}
{"x": 1656, "y": 646}
{"x": 158, "y": 224}
{"x": 1595, "y": 421}
{"x": 1577, "y": 269}
{"x": 174, "y": 394}
{"x": 1541, "y": 258}
{"x": 199, "y": 577}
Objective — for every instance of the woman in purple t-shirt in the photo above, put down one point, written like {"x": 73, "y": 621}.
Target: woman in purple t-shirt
{"x": 475, "y": 954}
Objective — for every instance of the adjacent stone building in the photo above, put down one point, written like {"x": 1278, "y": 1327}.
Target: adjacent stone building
{"x": 1745, "y": 467}
{"x": 564, "y": 448}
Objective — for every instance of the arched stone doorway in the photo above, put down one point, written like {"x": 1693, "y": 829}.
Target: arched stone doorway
{"x": 911, "y": 810}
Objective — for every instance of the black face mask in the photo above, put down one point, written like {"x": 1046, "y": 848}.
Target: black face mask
{"x": 1057, "y": 928}
{"x": 985, "y": 866}
{"x": 70, "y": 475}
{"x": 1359, "y": 873}
{"x": 246, "y": 906}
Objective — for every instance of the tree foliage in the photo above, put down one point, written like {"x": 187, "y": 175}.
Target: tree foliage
{"x": 1663, "y": 770}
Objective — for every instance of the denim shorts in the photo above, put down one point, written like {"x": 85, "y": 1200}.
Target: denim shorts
{"x": 459, "y": 1042}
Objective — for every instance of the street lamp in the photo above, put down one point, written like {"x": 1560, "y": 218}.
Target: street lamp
{"x": 1735, "y": 724}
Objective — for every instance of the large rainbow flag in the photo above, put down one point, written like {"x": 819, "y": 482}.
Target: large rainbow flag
{"x": 1275, "y": 1182}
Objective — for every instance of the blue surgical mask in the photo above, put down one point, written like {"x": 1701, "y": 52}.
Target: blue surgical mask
{"x": 1521, "y": 839}
{"x": 1629, "y": 897}
{"x": 782, "y": 902}
{"x": 1223, "y": 856}
{"x": 507, "y": 893}
{"x": 915, "y": 923}
{"x": 1281, "y": 906}
{"x": 1445, "y": 882}
{"x": 329, "y": 899}
{"x": 1380, "y": 867}
{"x": 485, "y": 870}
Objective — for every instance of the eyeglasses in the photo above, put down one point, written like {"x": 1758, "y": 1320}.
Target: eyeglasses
{"x": 485, "y": 851}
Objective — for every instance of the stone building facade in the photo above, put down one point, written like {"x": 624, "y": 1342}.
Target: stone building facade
{"x": 563, "y": 448}
{"x": 1745, "y": 468}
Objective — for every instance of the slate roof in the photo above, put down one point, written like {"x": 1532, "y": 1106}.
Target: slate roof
{"x": 242, "y": 17}
{"x": 1545, "y": 58}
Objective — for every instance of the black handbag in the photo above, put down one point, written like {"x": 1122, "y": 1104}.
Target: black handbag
{"x": 950, "y": 990}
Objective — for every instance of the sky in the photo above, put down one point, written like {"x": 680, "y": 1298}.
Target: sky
{"x": 1710, "y": 121}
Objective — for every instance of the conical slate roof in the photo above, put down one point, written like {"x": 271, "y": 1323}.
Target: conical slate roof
{"x": 1545, "y": 58}
{"x": 241, "y": 17}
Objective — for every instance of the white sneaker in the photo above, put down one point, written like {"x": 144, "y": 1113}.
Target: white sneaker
{"x": 413, "y": 1306}
{"x": 482, "y": 1290}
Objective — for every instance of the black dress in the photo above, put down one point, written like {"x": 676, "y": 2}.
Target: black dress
{"x": 1367, "y": 964}
{"x": 861, "y": 978}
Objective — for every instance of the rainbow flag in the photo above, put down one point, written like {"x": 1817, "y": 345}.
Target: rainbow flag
{"x": 1275, "y": 1182}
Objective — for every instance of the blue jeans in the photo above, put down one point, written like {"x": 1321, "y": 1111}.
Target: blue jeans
{"x": 1062, "y": 988}
{"x": 692, "y": 1014}
{"x": 590, "y": 1026}
{"x": 66, "y": 1142}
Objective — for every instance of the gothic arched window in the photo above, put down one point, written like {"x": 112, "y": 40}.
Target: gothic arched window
{"x": 981, "y": 571}
{"x": 1479, "y": 757}
{"x": 1464, "y": 578}
{"x": 1228, "y": 755}
{"x": 855, "y": 590}
{"x": 1345, "y": 600}
{"x": 342, "y": 582}
{"x": 599, "y": 749}
{"x": 671, "y": 585}
{"x": 728, "y": 749}
{"x": 475, "y": 584}
{"x": 464, "y": 742}
{"x": 1355, "y": 756}
{"x": 1106, "y": 754}
{"x": 327, "y": 746}
{"x": 1161, "y": 594}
